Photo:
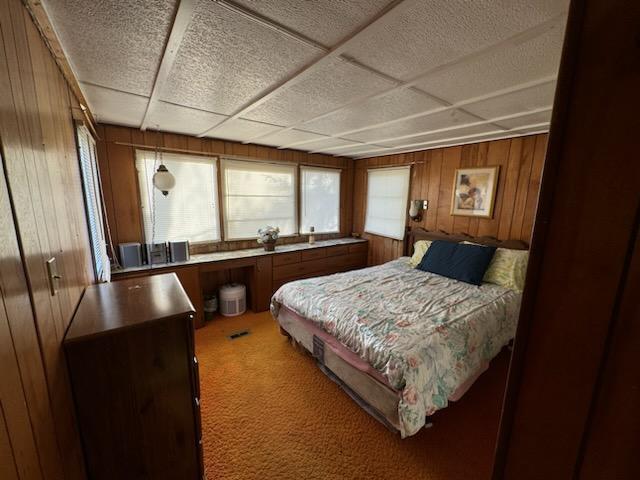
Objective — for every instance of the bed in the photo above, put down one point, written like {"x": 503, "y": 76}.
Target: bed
{"x": 401, "y": 342}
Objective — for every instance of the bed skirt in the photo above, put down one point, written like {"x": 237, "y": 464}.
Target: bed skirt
{"x": 365, "y": 385}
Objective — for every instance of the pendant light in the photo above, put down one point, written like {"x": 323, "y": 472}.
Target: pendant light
{"x": 163, "y": 180}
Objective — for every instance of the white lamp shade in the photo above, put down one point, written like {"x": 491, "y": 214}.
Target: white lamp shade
{"x": 163, "y": 180}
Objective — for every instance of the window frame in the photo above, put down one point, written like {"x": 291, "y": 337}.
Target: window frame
{"x": 296, "y": 194}
{"x": 406, "y": 202}
{"x": 214, "y": 159}
{"x": 301, "y": 194}
{"x": 82, "y": 131}
{"x": 218, "y": 161}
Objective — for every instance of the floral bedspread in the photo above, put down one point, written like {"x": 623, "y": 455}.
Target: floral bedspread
{"x": 427, "y": 334}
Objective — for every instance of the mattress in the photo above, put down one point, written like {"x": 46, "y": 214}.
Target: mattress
{"x": 425, "y": 334}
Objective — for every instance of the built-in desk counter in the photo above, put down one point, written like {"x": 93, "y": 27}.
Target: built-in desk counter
{"x": 262, "y": 271}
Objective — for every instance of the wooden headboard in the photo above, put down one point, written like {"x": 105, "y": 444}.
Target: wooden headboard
{"x": 416, "y": 234}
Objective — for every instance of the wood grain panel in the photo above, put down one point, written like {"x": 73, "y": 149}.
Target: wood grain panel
{"x": 7, "y": 463}
{"x": 615, "y": 426}
{"x": 122, "y": 195}
{"x": 520, "y": 159}
{"x": 16, "y": 308}
{"x": 571, "y": 404}
{"x": 43, "y": 176}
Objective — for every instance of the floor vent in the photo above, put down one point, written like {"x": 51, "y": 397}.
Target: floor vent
{"x": 239, "y": 334}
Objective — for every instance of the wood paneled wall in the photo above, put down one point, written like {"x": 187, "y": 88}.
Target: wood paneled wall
{"x": 432, "y": 171}
{"x": 120, "y": 181}
{"x": 43, "y": 196}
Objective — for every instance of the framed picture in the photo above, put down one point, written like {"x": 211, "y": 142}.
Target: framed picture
{"x": 474, "y": 191}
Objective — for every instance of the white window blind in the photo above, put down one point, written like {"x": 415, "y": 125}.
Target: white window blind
{"x": 387, "y": 197}
{"x": 320, "y": 207}
{"x": 258, "y": 194}
{"x": 190, "y": 211}
{"x": 93, "y": 202}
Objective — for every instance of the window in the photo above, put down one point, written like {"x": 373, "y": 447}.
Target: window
{"x": 93, "y": 202}
{"x": 320, "y": 206}
{"x": 387, "y": 196}
{"x": 256, "y": 194}
{"x": 190, "y": 211}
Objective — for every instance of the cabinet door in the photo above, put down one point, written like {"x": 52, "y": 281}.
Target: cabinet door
{"x": 262, "y": 284}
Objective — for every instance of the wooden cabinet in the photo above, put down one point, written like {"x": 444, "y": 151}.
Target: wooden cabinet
{"x": 286, "y": 258}
{"x": 263, "y": 274}
{"x": 133, "y": 371}
{"x": 318, "y": 261}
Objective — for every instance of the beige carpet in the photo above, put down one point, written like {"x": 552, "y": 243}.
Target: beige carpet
{"x": 269, "y": 413}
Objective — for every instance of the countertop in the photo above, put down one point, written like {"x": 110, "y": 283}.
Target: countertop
{"x": 247, "y": 253}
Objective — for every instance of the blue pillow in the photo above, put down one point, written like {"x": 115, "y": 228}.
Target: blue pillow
{"x": 459, "y": 261}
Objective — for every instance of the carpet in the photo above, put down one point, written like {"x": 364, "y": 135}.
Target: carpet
{"x": 269, "y": 413}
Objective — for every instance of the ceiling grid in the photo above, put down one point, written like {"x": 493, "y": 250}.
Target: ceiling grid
{"x": 358, "y": 79}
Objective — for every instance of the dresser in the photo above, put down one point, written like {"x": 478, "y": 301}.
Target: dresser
{"x": 134, "y": 376}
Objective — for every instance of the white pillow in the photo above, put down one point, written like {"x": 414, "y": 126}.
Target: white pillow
{"x": 419, "y": 249}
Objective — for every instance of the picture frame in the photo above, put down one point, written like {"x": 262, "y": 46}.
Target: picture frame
{"x": 474, "y": 191}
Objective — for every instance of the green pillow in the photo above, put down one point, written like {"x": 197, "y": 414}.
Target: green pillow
{"x": 419, "y": 249}
{"x": 508, "y": 268}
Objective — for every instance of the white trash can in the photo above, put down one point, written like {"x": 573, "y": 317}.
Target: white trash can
{"x": 233, "y": 299}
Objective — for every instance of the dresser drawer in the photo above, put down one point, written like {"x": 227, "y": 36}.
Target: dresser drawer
{"x": 358, "y": 247}
{"x": 297, "y": 269}
{"x": 286, "y": 258}
{"x": 313, "y": 254}
{"x": 278, "y": 283}
{"x": 339, "y": 250}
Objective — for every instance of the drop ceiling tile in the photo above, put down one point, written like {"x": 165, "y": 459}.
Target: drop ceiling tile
{"x": 517, "y": 102}
{"x": 289, "y": 136}
{"x": 327, "y": 143}
{"x": 339, "y": 17}
{"x": 444, "y": 143}
{"x": 225, "y": 60}
{"x": 517, "y": 64}
{"x": 179, "y": 119}
{"x": 424, "y": 124}
{"x": 443, "y": 136}
{"x": 112, "y": 106}
{"x": 242, "y": 130}
{"x": 322, "y": 89}
{"x": 523, "y": 121}
{"x": 402, "y": 46}
{"x": 113, "y": 43}
{"x": 355, "y": 151}
{"x": 396, "y": 104}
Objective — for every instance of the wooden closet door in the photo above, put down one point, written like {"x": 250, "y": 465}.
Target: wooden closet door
{"x": 43, "y": 173}
{"x": 28, "y": 444}
{"x": 18, "y": 448}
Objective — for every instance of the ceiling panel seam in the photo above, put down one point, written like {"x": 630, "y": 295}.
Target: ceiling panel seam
{"x": 491, "y": 121}
{"x": 512, "y": 134}
{"x": 334, "y": 52}
{"x": 117, "y": 90}
{"x": 462, "y": 137}
{"x": 181, "y": 21}
{"x": 433, "y": 111}
{"x": 525, "y": 35}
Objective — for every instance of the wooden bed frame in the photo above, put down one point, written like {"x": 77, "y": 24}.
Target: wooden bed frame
{"x": 417, "y": 233}
{"x": 376, "y": 398}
